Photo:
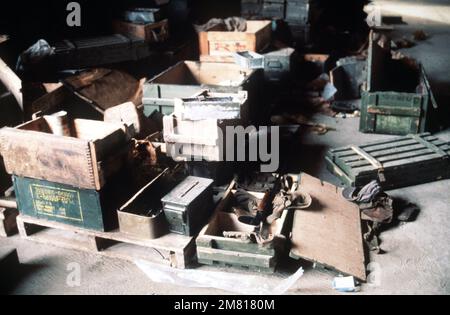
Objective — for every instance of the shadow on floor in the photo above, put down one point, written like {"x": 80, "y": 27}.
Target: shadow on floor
{"x": 12, "y": 273}
{"x": 307, "y": 158}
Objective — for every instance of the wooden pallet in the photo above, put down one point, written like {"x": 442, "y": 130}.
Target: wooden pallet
{"x": 174, "y": 250}
{"x": 8, "y": 225}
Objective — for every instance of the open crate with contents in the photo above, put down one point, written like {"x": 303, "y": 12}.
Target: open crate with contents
{"x": 189, "y": 78}
{"x": 398, "y": 99}
{"x": 236, "y": 235}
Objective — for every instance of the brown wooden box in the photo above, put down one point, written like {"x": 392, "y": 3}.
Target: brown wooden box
{"x": 85, "y": 160}
{"x": 219, "y": 46}
{"x": 153, "y": 32}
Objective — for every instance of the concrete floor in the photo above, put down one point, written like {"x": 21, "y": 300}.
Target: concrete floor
{"x": 417, "y": 258}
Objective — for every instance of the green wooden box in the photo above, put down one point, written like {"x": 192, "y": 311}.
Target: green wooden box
{"x": 398, "y": 162}
{"x": 215, "y": 249}
{"x": 84, "y": 208}
{"x": 398, "y": 99}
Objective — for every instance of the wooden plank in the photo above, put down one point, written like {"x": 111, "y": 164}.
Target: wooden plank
{"x": 404, "y": 162}
{"x": 219, "y": 59}
{"x": 48, "y": 157}
{"x": 30, "y": 150}
{"x": 235, "y": 245}
{"x": 172, "y": 249}
{"x": 329, "y": 232}
{"x": 400, "y": 149}
{"x": 381, "y": 145}
{"x": 394, "y": 111}
{"x": 236, "y": 258}
{"x": 433, "y": 147}
{"x": 384, "y": 160}
{"x": 384, "y": 155}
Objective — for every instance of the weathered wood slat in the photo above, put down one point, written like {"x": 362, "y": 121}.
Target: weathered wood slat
{"x": 400, "y": 149}
{"x": 402, "y": 178}
{"x": 347, "y": 153}
{"x": 433, "y": 147}
{"x": 236, "y": 258}
{"x": 32, "y": 151}
{"x": 405, "y": 157}
{"x": 392, "y": 143}
{"x": 234, "y": 245}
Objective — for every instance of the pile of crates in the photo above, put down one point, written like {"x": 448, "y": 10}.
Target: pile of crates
{"x": 295, "y": 12}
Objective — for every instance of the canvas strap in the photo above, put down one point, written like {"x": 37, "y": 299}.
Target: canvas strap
{"x": 375, "y": 163}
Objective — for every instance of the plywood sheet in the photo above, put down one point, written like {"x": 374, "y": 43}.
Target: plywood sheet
{"x": 329, "y": 232}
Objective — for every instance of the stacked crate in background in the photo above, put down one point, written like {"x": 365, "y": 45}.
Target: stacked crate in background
{"x": 251, "y": 8}
{"x": 218, "y": 45}
{"x": 188, "y": 78}
{"x": 274, "y": 9}
{"x": 257, "y": 9}
{"x": 148, "y": 24}
{"x": 193, "y": 131}
{"x": 297, "y": 16}
{"x": 295, "y": 12}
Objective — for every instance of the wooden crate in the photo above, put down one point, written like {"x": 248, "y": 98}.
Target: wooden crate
{"x": 301, "y": 33}
{"x": 210, "y": 105}
{"x": 297, "y": 11}
{"x": 188, "y": 140}
{"x": 152, "y": 33}
{"x": 85, "y": 160}
{"x": 214, "y": 249}
{"x": 143, "y": 15}
{"x": 8, "y": 225}
{"x": 174, "y": 250}
{"x": 402, "y": 161}
{"x": 97, "y": 51}
{"x": 390, "y": 106}
{"x": 273, "y": 9}
{"x": 219, "y": 46}
{"x": 251, "y": 8}
{"x": 83, "y": 208}
{"x": 188, "y": 78}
